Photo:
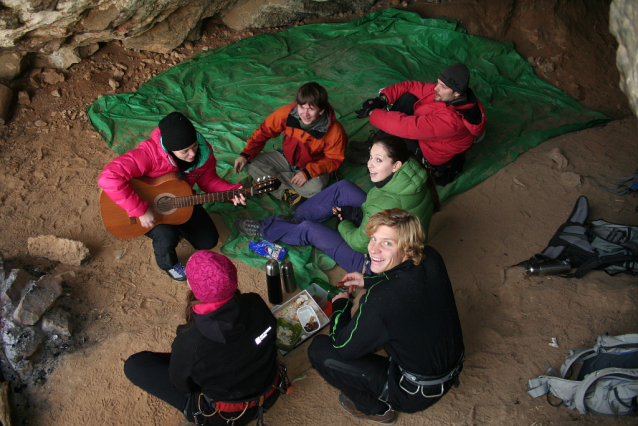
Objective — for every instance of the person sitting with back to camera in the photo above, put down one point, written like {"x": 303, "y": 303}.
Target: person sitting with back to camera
{"x": 409, "y": 308}
{"x": 174, "y": 146}
{"x": 399, "y": 181}
{"x": 314, "y": 145}
{"x": 439, "y": 122}
{"x": 223, "y": 366}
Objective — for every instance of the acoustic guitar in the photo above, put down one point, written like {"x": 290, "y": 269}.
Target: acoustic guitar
{"x": 172, "y": 201}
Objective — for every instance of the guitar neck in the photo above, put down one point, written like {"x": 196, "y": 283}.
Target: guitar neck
{"x": 192, "y": 200}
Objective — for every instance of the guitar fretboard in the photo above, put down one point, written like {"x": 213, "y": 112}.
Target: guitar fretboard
{"x": 192, "y": 200}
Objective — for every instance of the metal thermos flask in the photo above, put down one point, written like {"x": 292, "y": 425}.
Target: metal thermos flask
{"x": 273, "y": 282}
{"x": 289, "y": 276}
{"x": 552, "y": 267}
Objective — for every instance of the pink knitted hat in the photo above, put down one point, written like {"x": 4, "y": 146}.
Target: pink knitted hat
{"x": 211, "y": 276}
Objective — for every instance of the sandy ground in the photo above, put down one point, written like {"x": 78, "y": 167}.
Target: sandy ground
{"x": 50, "y": 159}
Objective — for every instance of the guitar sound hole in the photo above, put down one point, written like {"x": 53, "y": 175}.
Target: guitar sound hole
{"x": 164, "y": 204}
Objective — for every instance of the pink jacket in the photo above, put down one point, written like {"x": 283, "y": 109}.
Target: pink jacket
{"x": 441, "y": 129}
{"x": 150, "y": 159}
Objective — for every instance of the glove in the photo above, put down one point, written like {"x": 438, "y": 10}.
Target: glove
{"x": 370, "y": 105}
{"x": 352, "y": 214}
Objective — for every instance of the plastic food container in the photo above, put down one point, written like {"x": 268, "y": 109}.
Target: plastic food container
{"x": 319, "y": 294}
{"x": 308, "y": 319}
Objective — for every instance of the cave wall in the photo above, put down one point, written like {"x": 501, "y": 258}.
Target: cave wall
{"x": 623, "y": 24}
{"x": 57, "y": 34}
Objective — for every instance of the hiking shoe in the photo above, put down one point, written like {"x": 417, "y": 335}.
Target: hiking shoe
{"x": 358, "y": 146}
{"x": 291, "y": 197}
{"x": 359, "y": 158}
{"x": 290, "y": 217}
{"x": 365, "y": 145}
{"x": 386, "y": 418}
{"x": 177, "y": 272}
{"x": 250, "y": 227}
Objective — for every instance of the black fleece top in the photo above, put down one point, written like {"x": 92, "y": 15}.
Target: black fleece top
{"x": 411, "y": 310}
{"x": 229, "y": 354}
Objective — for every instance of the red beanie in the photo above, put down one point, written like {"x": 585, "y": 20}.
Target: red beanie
{"x": 211, "y": 276}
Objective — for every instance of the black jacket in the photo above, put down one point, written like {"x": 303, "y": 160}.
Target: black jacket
{"x": 229, "y": 354}
{"x": 411, "y": 310}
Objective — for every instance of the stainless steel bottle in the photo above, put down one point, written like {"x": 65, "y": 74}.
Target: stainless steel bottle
{"x": 552, "y": 267}
{"x": 273, "y": 282}
{"x": 288, "y": 274}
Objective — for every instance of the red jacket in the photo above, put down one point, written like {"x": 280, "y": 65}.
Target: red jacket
{"x": 441, "y": 129}
{"x": 150, "y": 159}
{"x": 316, "y": 151}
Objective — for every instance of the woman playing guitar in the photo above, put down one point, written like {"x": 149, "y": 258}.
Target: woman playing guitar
{"x": 174, "y": 146}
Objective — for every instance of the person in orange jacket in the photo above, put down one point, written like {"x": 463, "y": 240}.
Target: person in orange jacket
{"x": 314, "y": 145}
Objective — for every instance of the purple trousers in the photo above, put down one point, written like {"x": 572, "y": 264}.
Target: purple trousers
{"x": 310, "y": 230}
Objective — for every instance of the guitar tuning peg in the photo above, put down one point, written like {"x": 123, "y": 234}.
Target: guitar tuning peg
{"x": 258, "y": 180}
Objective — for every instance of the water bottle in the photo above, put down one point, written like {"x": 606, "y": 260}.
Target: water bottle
{"x": 290, "y": 284}
{"x": 330, "y": 289}
{"x": 552, "y": 267}
{"x": 273, "y": 282}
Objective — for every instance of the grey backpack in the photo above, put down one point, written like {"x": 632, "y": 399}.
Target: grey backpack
{"x": 607, "y": 382}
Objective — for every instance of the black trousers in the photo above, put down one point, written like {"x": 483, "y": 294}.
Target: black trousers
{"x": 405, "y": 104}
{"x": 149, "y": 371}
{"x": 199, "y": 231}
{"x": 362, "y": 380}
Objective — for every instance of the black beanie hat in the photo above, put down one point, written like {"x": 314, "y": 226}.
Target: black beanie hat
{"x": 456, "y": 77}
{"x": 177, "y": 132}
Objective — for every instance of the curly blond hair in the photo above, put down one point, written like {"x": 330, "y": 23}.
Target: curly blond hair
{"x": 407, "y": 225}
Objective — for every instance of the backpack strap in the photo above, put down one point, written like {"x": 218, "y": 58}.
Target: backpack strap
{"x": 599, "y": 262}
{"x": 538, "y": 386}
{"x": 562, "y": 389}
{"x": 626, "y": 184}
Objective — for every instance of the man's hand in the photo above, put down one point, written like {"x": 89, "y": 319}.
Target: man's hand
{"x": 147, "y": 220}
{"x": 352, "y": 280}
{"x": 342, "y": 295}
{"x": 370, "y": 105}
{"x": 240, "y": 163}
{"x": 299, "y": 179}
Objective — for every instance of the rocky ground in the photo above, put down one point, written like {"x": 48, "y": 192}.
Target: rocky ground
{"x": 120, "y": 303}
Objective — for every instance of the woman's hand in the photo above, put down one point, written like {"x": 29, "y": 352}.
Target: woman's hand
{"x": 353, "y": 214}
{"x": 147, "y": 220}
{"x": 239, "y": 199}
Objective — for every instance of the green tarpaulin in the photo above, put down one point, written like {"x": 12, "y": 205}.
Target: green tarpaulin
{"x": 228, "y": 92}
